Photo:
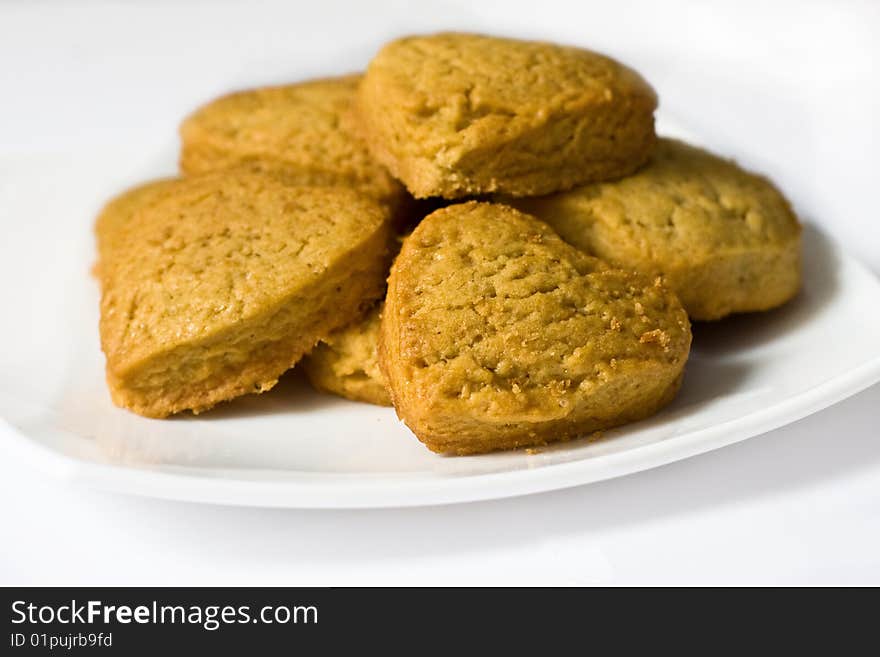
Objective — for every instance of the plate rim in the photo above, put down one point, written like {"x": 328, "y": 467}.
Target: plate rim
{"x": 378, "y": 493}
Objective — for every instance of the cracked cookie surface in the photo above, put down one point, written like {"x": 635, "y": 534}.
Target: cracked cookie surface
{"x": 223, "y": 281}
{"x": 455, "y": 115}
{"x": 726, "y": 240}
{"x": 497, "y": 334}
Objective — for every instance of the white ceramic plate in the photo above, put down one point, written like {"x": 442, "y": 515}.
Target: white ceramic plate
{"x": 297, "y": 448}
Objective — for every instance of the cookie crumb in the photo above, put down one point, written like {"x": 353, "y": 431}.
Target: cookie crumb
{"x": 658, "y": 336}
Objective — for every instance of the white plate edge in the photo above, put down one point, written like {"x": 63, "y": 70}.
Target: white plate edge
{"x": 472, "y": 488}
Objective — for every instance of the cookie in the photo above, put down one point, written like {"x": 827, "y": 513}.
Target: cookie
{"x": 299, "y": 131}
{"x": 454, "y": 115}
{"x": 726, "y": 240}
{"x": 345, "y": 363}
{"x": 497, "y": 334}
{"x": 215, "y": 289}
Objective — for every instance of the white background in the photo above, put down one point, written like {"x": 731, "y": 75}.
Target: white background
{"x": 789, "y": 88}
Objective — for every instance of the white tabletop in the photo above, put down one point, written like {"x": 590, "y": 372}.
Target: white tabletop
{"x": 787, "y": 88}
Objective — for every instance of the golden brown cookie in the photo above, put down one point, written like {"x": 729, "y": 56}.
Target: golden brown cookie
{"x": 497, "y": 334}
{"x": 726, "y": 240}
{"x": 215, "y": 289}
{"x": 345, "y": 363}
{"x": 299, "y": 131}
{"x": 455, "y": 115}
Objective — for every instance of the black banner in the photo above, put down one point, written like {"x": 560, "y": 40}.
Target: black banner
{"x": 329, "y": 621}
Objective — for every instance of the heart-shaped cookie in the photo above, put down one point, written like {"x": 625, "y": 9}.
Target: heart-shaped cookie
{"x": 724, "y": 239}
{"x": 497, "y": 334}
{"x": 301, "y": 132}
{"x": 455, "y": 115}
{"x": 222, "y": 281}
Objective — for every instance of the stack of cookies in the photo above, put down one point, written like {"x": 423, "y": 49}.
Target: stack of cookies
{"x": 485, "y": 233}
